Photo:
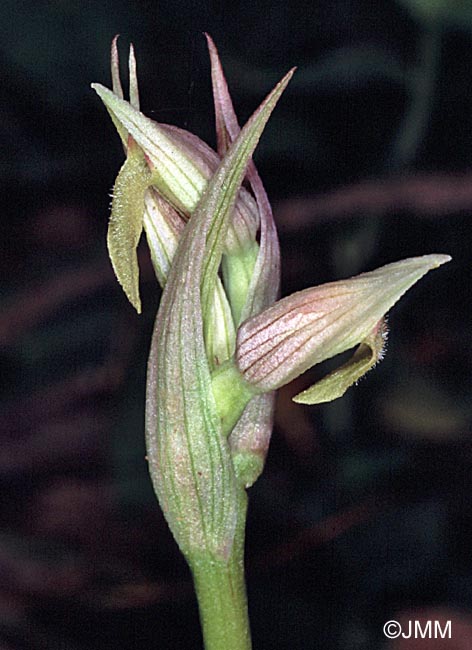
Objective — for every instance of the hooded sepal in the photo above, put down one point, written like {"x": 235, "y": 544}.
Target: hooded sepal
{"x": 179, "y": 165}
{"x": 175, "y": 176}
{"x": 318, "y": 323}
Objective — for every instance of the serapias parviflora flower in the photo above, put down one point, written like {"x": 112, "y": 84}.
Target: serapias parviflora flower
{"x": 175, "y": 165}
{"x": 316, "y": 324}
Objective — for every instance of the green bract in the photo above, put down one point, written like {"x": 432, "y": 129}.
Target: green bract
{"x": 189, "y": 455}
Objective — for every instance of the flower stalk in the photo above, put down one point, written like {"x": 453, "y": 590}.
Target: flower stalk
{"x": 221, "y": 592}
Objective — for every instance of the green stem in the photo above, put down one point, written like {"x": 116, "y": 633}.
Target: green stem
{"x": 221, "y": 593}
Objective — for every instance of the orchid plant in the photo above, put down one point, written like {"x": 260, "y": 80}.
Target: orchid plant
{"x": 223, "y": 342}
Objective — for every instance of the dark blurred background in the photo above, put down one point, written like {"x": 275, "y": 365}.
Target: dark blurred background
{"x": 363, "y": 513}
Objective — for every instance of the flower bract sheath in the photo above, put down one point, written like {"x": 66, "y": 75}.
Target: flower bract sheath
{"x": 189, "y": 455}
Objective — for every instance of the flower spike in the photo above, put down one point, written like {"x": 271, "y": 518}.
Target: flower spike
{"x": 222, "y": 345}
